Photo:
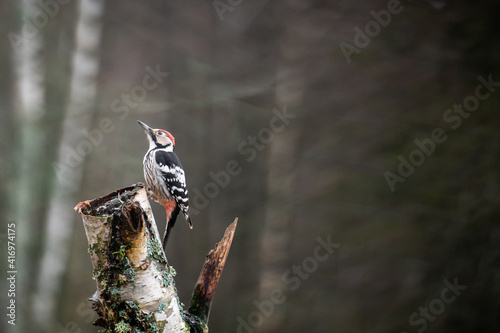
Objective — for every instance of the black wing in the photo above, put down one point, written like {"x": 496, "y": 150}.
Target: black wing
{"x": 175, "y": 179}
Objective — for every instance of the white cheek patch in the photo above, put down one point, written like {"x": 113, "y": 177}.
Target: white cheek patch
{"x": 164, "y": 140}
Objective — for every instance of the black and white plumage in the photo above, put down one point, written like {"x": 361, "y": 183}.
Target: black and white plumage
{"x": 165, "y": 177}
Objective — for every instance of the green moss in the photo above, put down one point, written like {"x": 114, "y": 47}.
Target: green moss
{"x": 123, "y": 314}
{"x": 115, "y": 270}
{"x": 132, "y": 305}
{"x": 196, "y": 325}
{"x": 168, "y": 276}
{"x": 162, "y": 307}
{"x": 122, "y": 251}
{"x": 104, "y": 284}
{"x": 91, "y": 248}
{"x": 96, "y": 248}
{"x": 122, "y": 327}
{"x": 115, "y": 290}
{"x": 130, "y": 319}
{"x": 155, "y": 250}
{"x": 198, "y": 314}
{"x": 129, "y": 274}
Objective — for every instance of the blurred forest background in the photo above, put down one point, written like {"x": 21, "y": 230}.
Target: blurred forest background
{"x": 76, "y": 75}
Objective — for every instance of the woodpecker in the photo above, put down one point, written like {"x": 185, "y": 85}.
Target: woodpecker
{"x": 165, "y": 177}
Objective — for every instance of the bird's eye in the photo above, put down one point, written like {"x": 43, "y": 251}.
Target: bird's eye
{"x": 161, "y": 133}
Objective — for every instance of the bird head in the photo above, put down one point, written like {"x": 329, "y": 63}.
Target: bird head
{"x": 158, "y": 138}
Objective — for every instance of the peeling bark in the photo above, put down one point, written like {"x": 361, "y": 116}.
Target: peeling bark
{"x": 135, "y": 285}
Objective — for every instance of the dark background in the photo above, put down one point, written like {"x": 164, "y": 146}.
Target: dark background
{"x": 322, "y": 173}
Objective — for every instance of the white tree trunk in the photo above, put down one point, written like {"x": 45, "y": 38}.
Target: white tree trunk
{"x": 137, "y": 271}
{"x": 78, "y": 117}
{"x": 135, "y": 285}
{"x": 30, "y": 101}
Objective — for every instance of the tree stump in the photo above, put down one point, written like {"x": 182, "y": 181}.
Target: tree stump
{"x": 135, "y": 283}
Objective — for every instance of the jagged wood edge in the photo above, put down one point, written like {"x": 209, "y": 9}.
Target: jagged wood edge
{"x": 210, "y": 274}
{"x": 88, "y": 210}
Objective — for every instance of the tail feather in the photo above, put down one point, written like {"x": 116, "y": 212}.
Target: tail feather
{"x": 168, "y": 227}
{"x": 171, "y": 222}
{"x": 184, "y": 209}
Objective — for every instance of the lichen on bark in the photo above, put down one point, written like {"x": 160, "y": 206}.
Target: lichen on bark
{"x": 135, "y": 284}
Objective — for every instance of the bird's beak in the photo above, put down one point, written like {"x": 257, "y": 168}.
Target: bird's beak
{"x": 147, "y": 129}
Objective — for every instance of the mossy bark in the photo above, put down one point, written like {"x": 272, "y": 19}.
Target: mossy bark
{"x": 135, "y": 286}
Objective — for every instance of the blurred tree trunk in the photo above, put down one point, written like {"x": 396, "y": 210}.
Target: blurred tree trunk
{"x": 26, "y": 45}
{"x": 73, "y": 148}
{"x": 281, "y": 182}
{"x": 8, "y": 156}
{"x": 8, "y": 135}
